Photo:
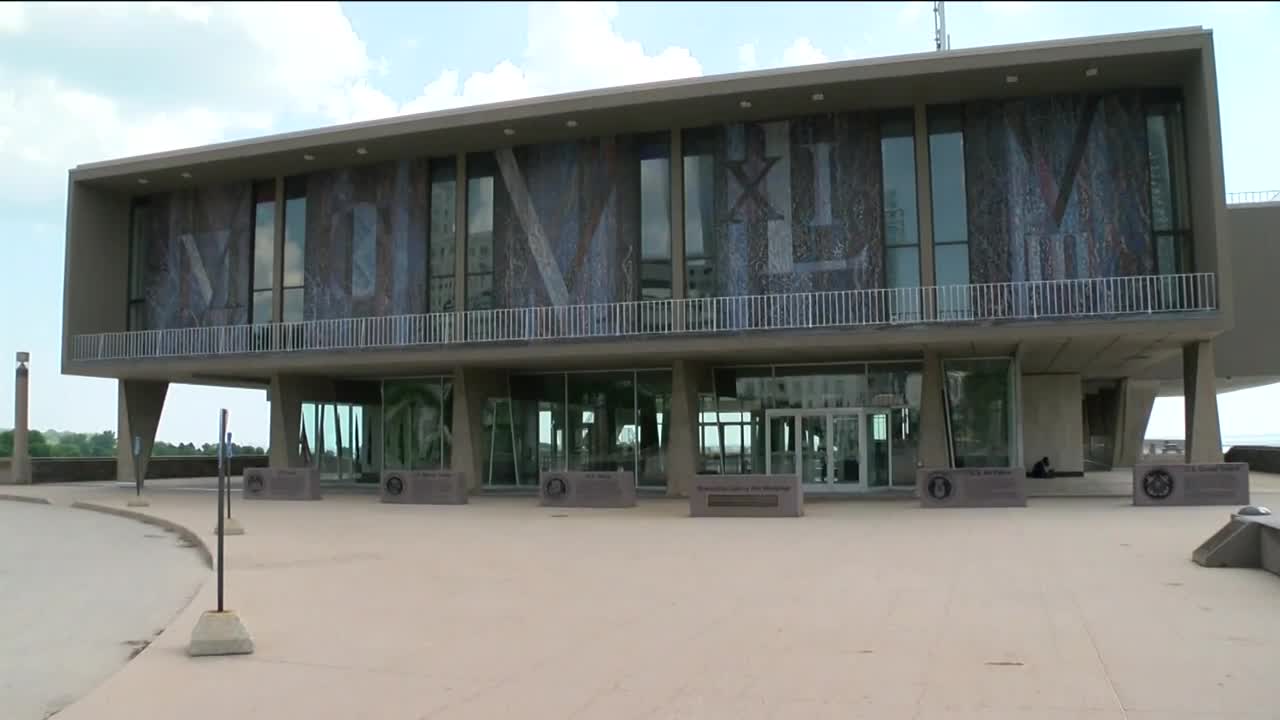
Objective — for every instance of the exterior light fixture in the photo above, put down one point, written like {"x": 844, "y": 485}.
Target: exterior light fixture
{"x": 362, "y": 151}
{"x": 143, "y": 181}
{"x": 744, "y": 104}
{"x": 1011, "y": 79}
{"x": 186, "y": 175}
{"x": 571, "y": 123}
{"x": 1091, "y": 72}
{"x": 818, "y": 97}
{"x": 508, "y": 131}
{"x": 308, "y": 157}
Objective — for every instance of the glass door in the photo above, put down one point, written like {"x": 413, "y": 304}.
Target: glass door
{"x": 846, "y": 459}
{"x": 879, "y": 472}
{"x": 815, "y": 460}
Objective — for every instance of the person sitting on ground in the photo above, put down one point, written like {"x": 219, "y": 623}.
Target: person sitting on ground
{"x": 1042, "y": 469}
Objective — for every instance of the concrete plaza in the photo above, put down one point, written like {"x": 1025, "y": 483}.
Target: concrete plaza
{"x": 1075, "y": 607}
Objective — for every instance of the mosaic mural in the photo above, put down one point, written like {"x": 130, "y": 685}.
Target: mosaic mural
{"x": 785, "y": 206}
{"x": 195, "y": 257}
{"x": 1058, "y": 188}
{"x": 566, "y": 223}
{"x": 366, "y": 250}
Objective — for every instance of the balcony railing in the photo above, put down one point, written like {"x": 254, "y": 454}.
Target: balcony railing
{"x": 994, "y": 302}
{"x": 1253, "y": 196}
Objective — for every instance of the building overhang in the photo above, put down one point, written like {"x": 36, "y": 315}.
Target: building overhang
{"x": 1135, "y": 60}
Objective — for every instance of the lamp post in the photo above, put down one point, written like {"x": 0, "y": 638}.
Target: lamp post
{"x": 21, "y": 467}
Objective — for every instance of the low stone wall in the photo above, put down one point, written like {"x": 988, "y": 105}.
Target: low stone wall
{"x": 49, "y": 470}
{"x": 1261, "y": 458}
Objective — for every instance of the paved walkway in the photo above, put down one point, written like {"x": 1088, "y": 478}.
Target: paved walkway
{"x": 1083, "y": 608}
{"x": 80, "y": 592}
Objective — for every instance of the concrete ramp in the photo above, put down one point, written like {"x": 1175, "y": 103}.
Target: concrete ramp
{"x": 1244, "y": 542}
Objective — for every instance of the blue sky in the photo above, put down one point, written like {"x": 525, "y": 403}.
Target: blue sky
{"x": 81, "y": 82}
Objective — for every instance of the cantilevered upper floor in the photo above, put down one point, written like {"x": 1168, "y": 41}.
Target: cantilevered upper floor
{"x": 1069, "y": 183}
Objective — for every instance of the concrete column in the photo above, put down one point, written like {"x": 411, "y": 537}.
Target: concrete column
{"x": 140, "y": 405}
{"x": 372, "y": 436}
{"x": 286, "y": 422}
{"x": 682, "y": 447}
{"x": 1134, "y": 401}
{"x": 1053, "y": 423}
{"x": 472, "y": 388}
{"x": 1200, "y": 400}
{"x": 20, "y": 469}
{"x": 933, "y": 421}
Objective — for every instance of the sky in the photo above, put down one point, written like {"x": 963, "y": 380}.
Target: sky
{"x": 83, "y": 82}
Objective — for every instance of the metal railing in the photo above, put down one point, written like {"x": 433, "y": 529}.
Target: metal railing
{"x": 993, "y": 302}
{"x": 1253, "y": 196}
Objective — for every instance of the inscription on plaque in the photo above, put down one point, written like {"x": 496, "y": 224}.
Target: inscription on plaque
{"x": 746, "y": 496}
{"x": 587, "y": 489}
{"x": 424, "y": 487}
{"x": 1180, "y": 485}
{"x": 972, "y": 487}
{"x": 281, "y": 484}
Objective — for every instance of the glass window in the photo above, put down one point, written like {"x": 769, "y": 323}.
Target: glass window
{"x": 655, "y": 218}
{"x": 946, "y": 176}
{"x": 901, "y": 223}
{"x": 602, "y": 422}
{"x": 364, "y": 249}
{"x": 295, "y": 248}
{"x": 417, "y": 422}
{"x": 443, "y": 235}
{"x": 699, "y": 207}
{"x": 1167, "y": 172}
{"x": 979, "y": 395}
{"x": 481, "y": 169}
{"x": 140, "y": 219}
{"x": 264, "y": 249}
{"x": 653, "y": 416}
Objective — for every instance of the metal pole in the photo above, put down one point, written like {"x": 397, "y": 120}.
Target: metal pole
{"x": 230, "y": 454}
{"x": 137, "y": 464}
{"x": 222, "y": 481}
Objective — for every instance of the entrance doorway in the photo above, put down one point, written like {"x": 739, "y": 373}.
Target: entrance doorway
{"x": 840, "y": 450}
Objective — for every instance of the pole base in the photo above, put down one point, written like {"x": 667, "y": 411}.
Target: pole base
{"x": 220, "y": 633}
{"x": 137, "y": 502}
{"x": 230, "y": 526}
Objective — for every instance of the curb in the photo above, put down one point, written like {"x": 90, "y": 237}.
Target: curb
{"x": 24, "y": 498}
{"x": 194, "y": 539}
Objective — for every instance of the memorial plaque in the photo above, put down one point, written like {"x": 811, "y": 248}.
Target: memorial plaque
{"x": 746, "y": 496}
{"x": 1177, "y": 484}
{"x": 587, "y": 489}
{"x": 281, "y": 484}
{"x": 972, "y": 487}
{"x": 424, "y": 487}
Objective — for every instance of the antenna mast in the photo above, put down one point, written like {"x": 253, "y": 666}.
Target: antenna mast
{"x": 941, "y": 39}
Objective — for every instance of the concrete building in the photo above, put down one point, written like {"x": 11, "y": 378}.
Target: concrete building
{"x": 846, "y": 271}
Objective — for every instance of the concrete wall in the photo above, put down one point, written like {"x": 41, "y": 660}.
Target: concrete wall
{"x": 96, "y": 268}
{"x": 1251, "y": 349}
{"x": 50, "y": 470}
{"x": 1052, "y": 424}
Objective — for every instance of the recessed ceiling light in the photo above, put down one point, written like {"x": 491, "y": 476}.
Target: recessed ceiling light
{"x": 308, "y": 156}
{"x": 186, "y": 175}
{"x": 571, "y": 123}
{"x": 744, "y": 104}
{"x": 1091, "y": 72}
{"x": 818, "y": 97}
{"x": 362, "y": 151}
{"x": 143, "y": 181}
{"x": 1011, "y": 79}
{"x": 508, "y": 131}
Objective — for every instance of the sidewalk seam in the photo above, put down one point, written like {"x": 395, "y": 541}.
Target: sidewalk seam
{"x": 25, "y": 499}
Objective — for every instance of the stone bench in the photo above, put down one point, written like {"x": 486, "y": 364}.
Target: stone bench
{"x": 1246, "y": 541}
{"x": 558, "y": 488}
{"x": 746, "y": 496}
{"x": 972, "y": 487}
{"x": 424, "y": 487}
{"x": 1177, "y": 484}
{"x": 281, "y": 484}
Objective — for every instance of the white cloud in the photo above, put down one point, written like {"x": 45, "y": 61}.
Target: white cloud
{"x": 1007, "y": 7}
{"x": 802, "y": 52}
{"x": 13, "y": 17}
{"x": 747, "y": 57}
{"x": 913, "y": 11}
